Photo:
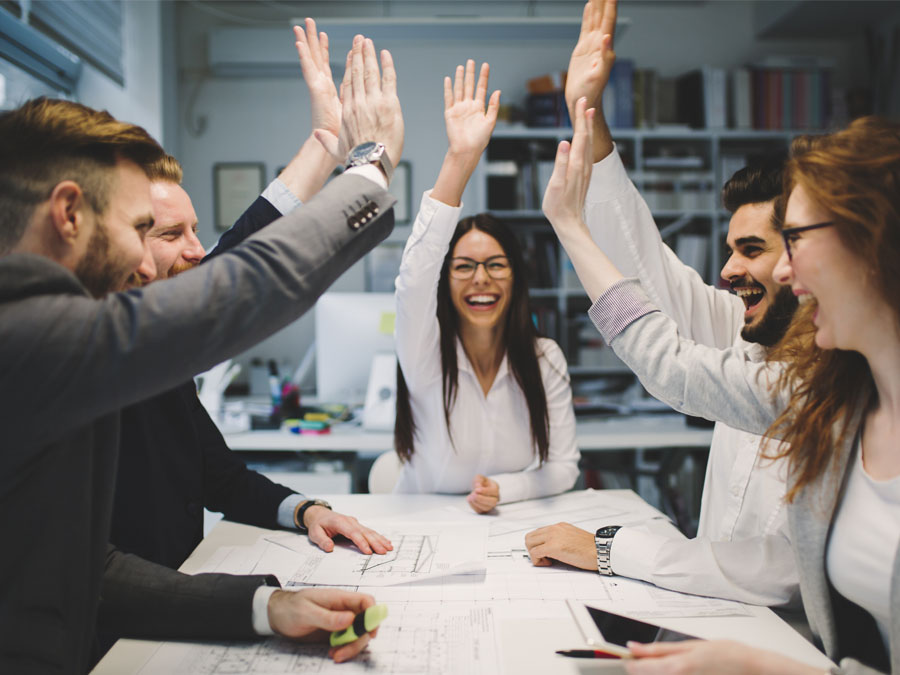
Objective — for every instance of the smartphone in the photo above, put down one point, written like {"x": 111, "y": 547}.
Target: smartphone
{"x": 611, "y": 632}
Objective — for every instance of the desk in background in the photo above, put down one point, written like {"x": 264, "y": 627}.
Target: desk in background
{"x": 525, "y": 644}
{"x": 595, "y": 438}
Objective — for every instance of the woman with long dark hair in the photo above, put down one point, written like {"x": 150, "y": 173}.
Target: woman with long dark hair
{"x": 830, "y": 391}
{"x": 484, "y": 405}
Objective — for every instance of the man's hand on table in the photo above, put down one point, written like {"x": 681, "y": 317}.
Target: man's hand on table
{"x": 563, "y": 542}
{"x": 324, "y": 524}
{"x": 311, "y": 615}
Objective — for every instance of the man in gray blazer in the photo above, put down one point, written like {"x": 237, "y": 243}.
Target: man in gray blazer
{"x": 74, "y": 205}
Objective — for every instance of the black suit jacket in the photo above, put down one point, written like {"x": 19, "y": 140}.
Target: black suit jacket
{"x": 174, "y": 462}
{"x": 69, "y": 363}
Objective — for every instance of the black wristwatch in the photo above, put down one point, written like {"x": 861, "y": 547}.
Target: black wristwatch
{"x": 371, "y": 153}
{"x": 300, "y": 513}
{"x": 603, "y": 539}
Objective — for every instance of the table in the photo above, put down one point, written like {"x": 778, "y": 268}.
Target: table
{"x": 595, "y": 437}
{"x": 526, "y": 645}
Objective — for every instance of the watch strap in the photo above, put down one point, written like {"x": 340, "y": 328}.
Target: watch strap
{"x": 300, "y": 512}
{"x": 603, "y": 540}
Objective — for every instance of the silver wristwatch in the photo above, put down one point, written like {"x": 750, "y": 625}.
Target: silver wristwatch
{"x": 300, "y": 513}
{"x": 370, "y": 153}
{"x": 603, "y": 539}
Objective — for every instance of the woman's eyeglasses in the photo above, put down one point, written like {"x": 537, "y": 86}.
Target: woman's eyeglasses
{"x": 790, "y": 235}
{"x": 497, "y": 267}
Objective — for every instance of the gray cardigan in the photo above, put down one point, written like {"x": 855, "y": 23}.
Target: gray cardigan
{"x": 732, "y": 386}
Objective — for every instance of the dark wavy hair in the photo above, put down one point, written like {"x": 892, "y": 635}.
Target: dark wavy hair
{"x": 855, "y": 175}
{"x": 519, "y": 335}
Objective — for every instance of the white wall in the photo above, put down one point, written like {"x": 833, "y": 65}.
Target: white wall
{"x": 140, "y": 100}
{"x": 265, "y": 120}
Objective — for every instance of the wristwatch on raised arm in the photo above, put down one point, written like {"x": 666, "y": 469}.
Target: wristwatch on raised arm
{"x": 371, "y": 153}
{"x": 300, "y": 513}
{"x": 603, "y": 539}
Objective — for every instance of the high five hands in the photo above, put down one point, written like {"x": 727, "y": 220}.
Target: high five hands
{"x": 370, "y": 109}
{"x": 590, "y": 65}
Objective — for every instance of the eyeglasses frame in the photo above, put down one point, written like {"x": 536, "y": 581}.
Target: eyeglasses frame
{"x": 483, "y": 263}
{"x": 788, "y": 231}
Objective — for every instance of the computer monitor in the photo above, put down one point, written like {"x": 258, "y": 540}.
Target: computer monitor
{"x": 351, "y": 328}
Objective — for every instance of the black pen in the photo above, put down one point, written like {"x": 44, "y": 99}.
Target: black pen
{"x": 588, "y": 654}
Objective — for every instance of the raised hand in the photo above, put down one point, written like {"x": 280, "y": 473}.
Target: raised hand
{"x": 564, "y": 199}
{"x": 593, "y": 56}
{"x": 370, "y": 109}
{"x": 312, "y": 48}
{"x": 469, "y": 127}
{"x": 469, "y": 124}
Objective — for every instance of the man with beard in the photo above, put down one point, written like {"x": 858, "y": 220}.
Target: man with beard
{"x": 74, "y": 353}
{"x": 742, "y": 550}
{"x": 174, "y": 461}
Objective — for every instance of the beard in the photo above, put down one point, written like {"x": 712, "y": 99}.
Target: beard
{"x": 95, "y": 270}
{"x": 774, "y": 323}
{"x": 178, "y": 268}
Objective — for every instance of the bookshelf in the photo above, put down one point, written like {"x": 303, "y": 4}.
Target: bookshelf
{"x": 678, "y": 170}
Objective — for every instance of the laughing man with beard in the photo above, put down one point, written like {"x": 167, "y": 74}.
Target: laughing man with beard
{"x": 742, "y": 550}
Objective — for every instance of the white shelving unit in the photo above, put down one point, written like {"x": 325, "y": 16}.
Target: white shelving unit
{"x": 680, "y": 173}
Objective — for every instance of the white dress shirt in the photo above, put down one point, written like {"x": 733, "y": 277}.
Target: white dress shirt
{"x": 491, "y": 434}
{"x": 742, "y": 550}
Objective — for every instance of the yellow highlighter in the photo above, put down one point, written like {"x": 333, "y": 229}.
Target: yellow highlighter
{"x": 365, "y": 622}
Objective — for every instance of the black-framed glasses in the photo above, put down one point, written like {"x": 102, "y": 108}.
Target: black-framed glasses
{"x": 497, "y": 267}
{"x": 789, "y": 235}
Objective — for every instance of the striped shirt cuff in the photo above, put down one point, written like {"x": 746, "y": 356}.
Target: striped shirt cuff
{"x": 622, "y": 304}
{"x": 279, "y": 196}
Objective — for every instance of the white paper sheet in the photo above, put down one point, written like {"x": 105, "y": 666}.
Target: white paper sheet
{"x": 414, "y": 639}
{"x": 421, "y": 551}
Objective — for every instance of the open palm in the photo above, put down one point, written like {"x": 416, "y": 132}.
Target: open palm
{"x": 312, "y": 48}
{"x": 469, "y": 123}
{"x": 593, "y": 56}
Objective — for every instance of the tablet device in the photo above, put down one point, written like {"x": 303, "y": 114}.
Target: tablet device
{"x": 611, "y": 632}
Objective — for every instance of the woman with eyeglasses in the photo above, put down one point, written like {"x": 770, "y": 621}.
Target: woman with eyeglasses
{"x": 831, "y": 389}
{"x": 484, "y": 406}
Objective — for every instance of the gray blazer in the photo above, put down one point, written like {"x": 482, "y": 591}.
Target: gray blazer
{"x": 68, "y": 362}
{"x": 735, "y": 387}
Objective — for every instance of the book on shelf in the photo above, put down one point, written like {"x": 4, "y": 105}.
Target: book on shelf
{"x": 701, "y": 98}
{"x": 547, "y": 110}
{"x": 741, "y": 99}
{"x": 546, "y": 84}
{"x": 791, "y": 98}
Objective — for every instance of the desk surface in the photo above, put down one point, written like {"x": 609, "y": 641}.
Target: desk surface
{"x": 526, "y": 645}
{"x": 615, "y": 433}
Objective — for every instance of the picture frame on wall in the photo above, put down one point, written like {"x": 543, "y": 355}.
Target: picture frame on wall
{"x": 236, "y": 185}
{"x": 401, "y": 188}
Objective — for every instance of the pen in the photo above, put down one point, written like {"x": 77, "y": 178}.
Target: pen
{"x": 365, "y": 622}
{"x": 588, "y": 654}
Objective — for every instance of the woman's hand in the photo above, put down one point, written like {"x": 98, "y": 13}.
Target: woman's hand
{"x": 469, "y": 127}
{"x": 469, "y": 124}
{"x": 722, "y": 657}
{"x": 485, "y": 494}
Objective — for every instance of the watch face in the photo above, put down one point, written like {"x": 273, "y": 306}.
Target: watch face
{"x": 607, "y": 531}
{"x": 362, "y": 151}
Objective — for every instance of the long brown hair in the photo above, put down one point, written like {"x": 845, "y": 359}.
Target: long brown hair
{"x": 855, "y": 175}
{"x": 519, "y": 335}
